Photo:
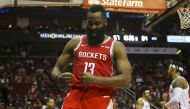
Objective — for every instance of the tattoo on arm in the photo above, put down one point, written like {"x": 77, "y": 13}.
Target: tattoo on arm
{"x": 179, "y": 83}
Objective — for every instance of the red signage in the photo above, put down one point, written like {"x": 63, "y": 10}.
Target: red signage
{"x": 136, "y": 6}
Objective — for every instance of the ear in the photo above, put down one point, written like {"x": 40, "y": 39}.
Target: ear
{"x": 175, "y": 70}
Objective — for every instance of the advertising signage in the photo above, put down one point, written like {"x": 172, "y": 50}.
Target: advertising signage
{"x": 137, "y": 6}
{"x": 125, "y": 37}
{"x": 178, "y": 39}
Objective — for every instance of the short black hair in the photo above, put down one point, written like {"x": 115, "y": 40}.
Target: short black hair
{"x": 143, "y": 89}
{"x": 97, "y": 8}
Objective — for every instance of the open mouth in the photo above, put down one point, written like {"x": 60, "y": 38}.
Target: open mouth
{"x": 94, "y": 33}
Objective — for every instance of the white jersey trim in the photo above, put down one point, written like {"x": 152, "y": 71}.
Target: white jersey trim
{"x": 63, "y": 101}
{"x": 110, "y": 105}
{"x": 112, "y": 55}
{"x": 106, "y": 40}
{"x": 78, "y": 44}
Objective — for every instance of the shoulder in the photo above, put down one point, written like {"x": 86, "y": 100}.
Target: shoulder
{"x": 179, "y": 82}
{"x": 140, "y": 101}
{"x": 118, "y": 46}
{"x": 73, "y": 43}
{"x": 119, "y": 49}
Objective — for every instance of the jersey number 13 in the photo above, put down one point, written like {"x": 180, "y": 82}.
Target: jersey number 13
{"x": 89, "y": 66}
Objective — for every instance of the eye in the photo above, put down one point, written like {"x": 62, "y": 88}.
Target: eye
{"x": 97, "y": 23}
{"x": 89, "y": 22}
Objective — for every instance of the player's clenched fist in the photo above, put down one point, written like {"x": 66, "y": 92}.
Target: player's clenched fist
{"x": 65, "y": 77}
{"x": 87, "y": 78}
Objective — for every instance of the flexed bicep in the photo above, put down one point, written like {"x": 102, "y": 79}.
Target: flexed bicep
{"x": 123, "y": 66}
{"x": 120, "y": 55}
{"x": 180, "y": 83}
{"x": 65, "y": 58}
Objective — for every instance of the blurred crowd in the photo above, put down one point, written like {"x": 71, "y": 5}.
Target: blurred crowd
{"x": 25, "y": 81}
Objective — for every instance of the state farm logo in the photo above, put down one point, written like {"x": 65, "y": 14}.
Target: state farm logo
{"x": 120, "y": 3}
{"x": 91, "y": 2}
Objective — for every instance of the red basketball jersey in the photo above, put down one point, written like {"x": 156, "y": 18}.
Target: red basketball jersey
{"x": 98, "y": 60}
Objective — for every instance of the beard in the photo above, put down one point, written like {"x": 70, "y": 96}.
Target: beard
{"x": 95, "y": 36}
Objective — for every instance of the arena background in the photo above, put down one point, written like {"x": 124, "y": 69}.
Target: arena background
{"x": 33, "y": 33}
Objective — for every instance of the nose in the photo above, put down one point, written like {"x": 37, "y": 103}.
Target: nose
{"x": 93, "y": 26}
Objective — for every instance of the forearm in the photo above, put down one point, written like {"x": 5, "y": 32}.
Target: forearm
{"x": 118, "y": 81}
{"x": 55, "y": 72}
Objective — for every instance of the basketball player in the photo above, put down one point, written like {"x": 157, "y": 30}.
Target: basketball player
{"x": 165, "y": 97}
{"x": 95, "y": 57}
{"x": 50, "y": 104}
{"x": 179, "y": 89}
{"x": 142, "y": 102}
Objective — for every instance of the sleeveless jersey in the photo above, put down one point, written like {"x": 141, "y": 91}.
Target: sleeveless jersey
{"x": 184, "y": 100}
{"x": 146, "y": 104}
{"x": 94, "y": 59}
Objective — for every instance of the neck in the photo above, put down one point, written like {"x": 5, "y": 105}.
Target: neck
{"x": 175, "y": 76}
{"x": 145, "y": 98}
